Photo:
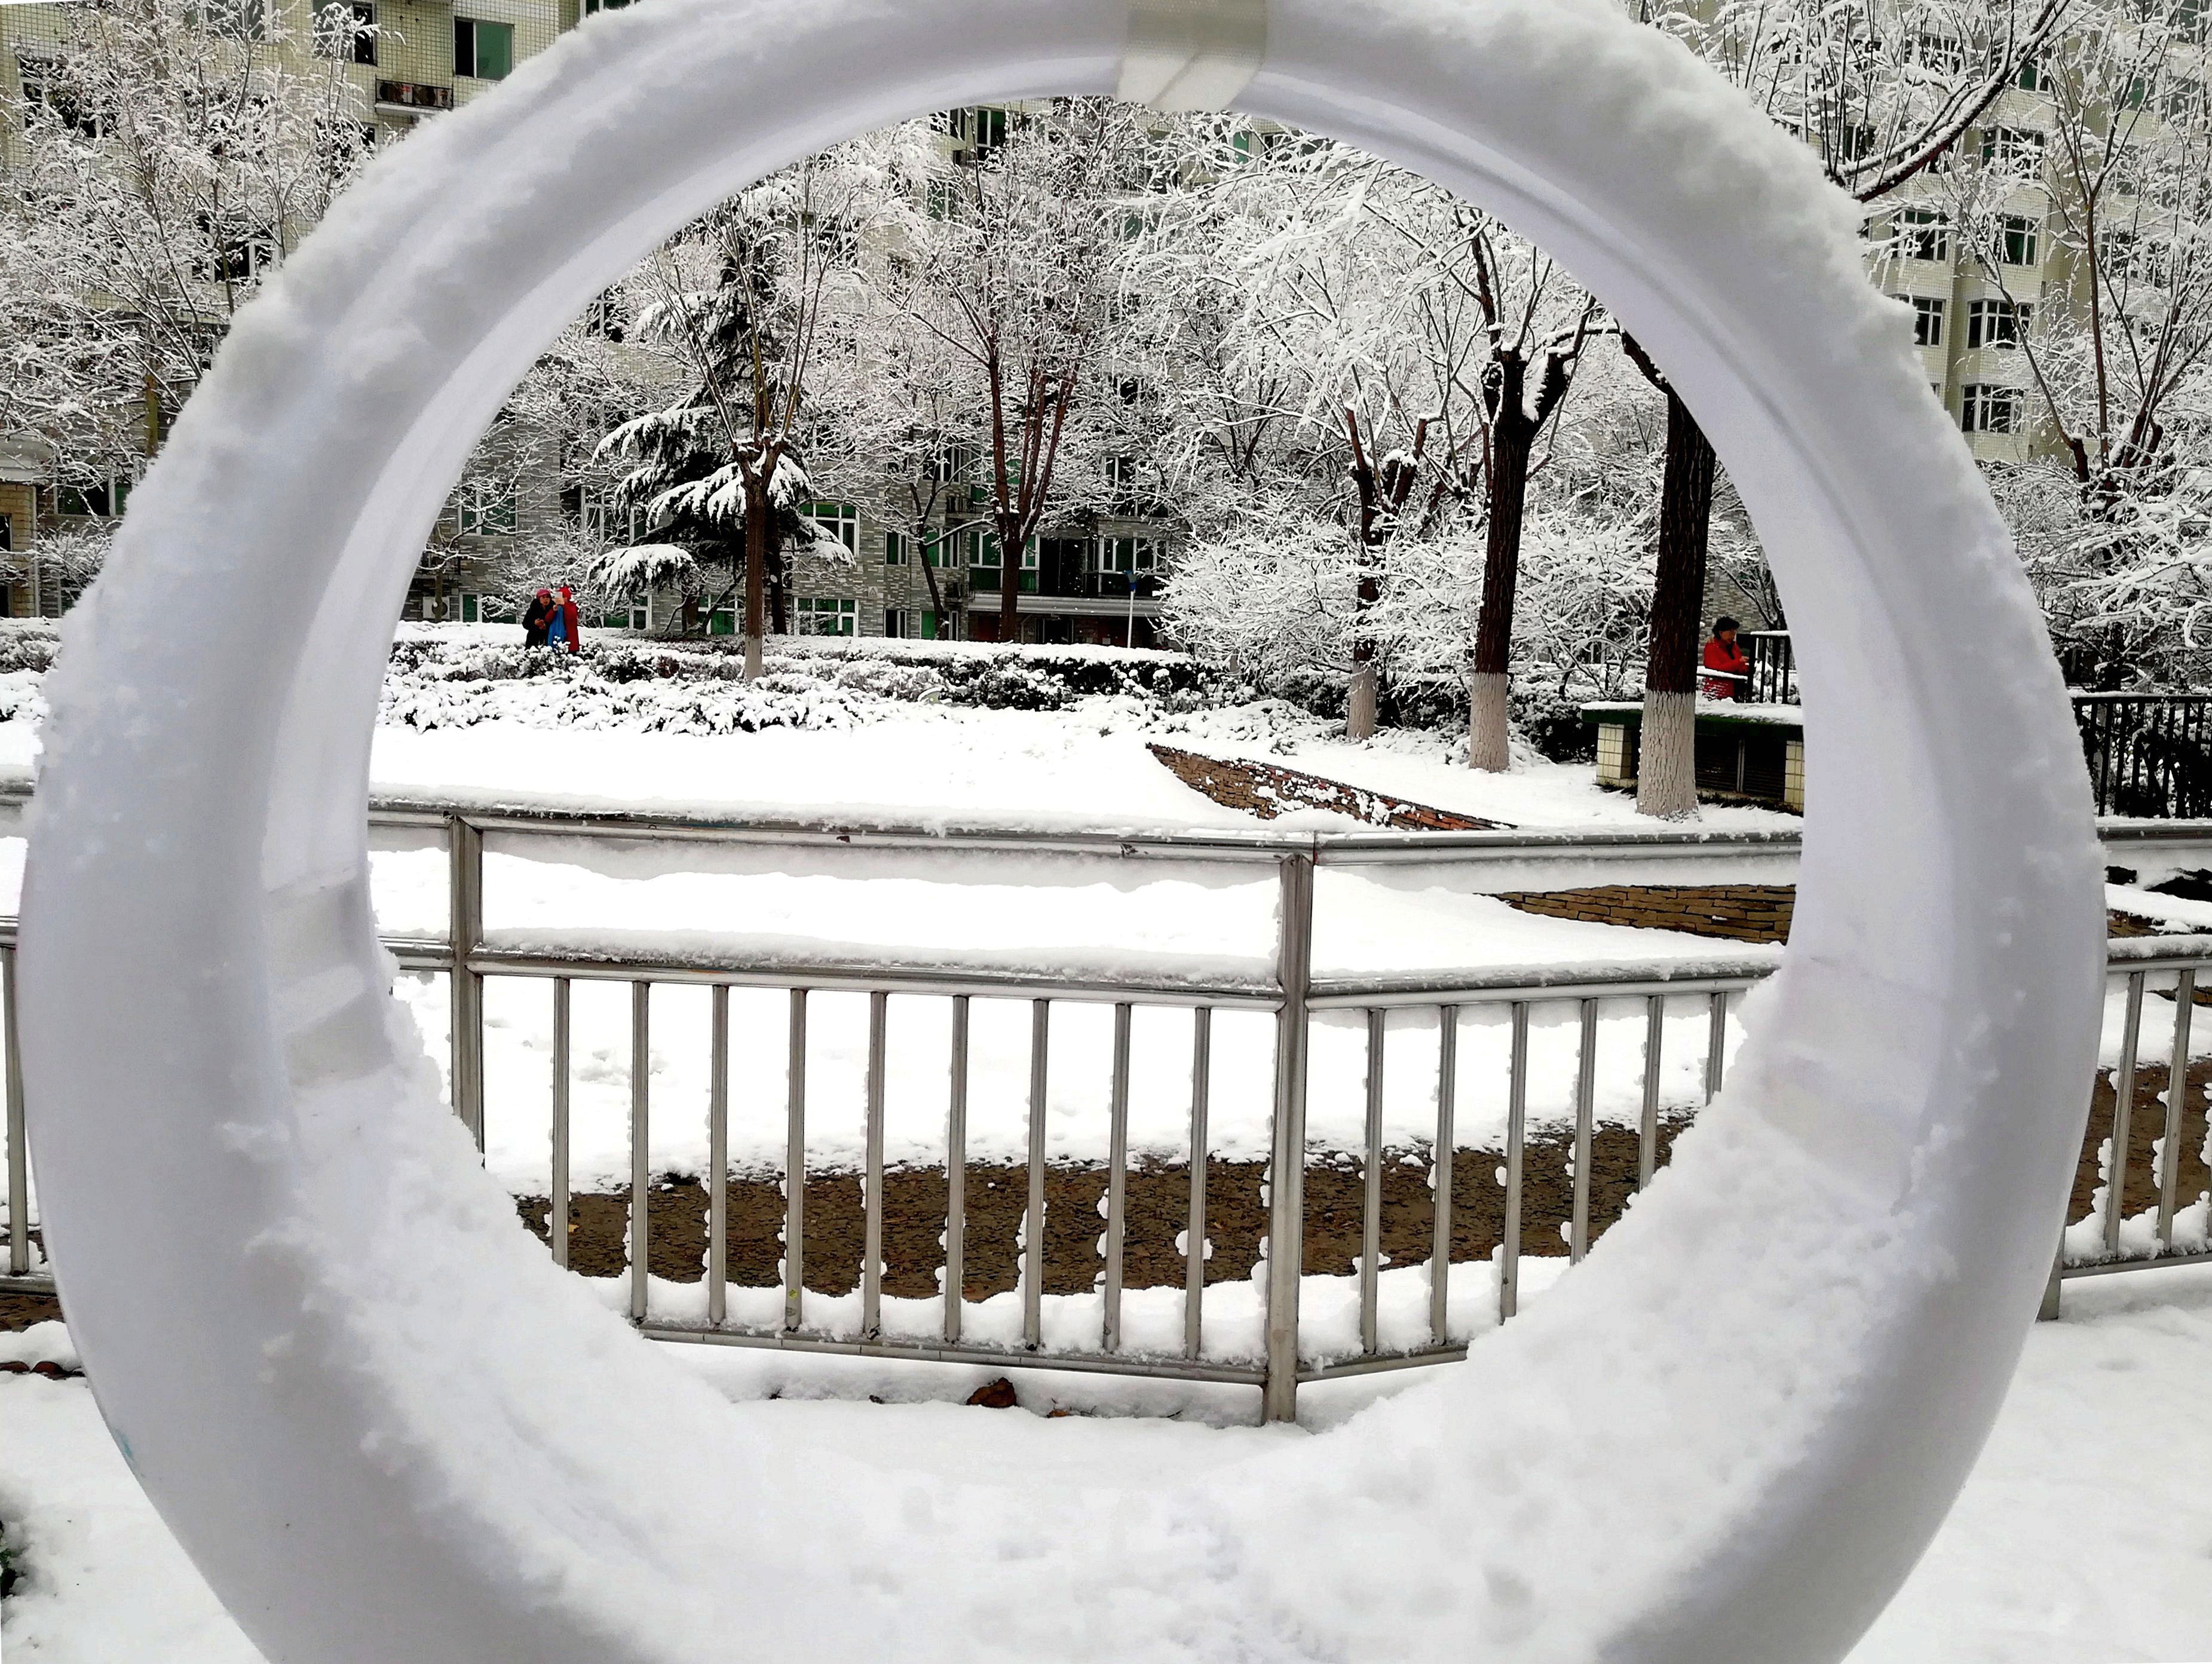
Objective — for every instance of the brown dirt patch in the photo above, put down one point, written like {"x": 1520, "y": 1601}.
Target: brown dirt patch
{"x": 1159, "y": 1198}
{"x": 1264, "y": 790}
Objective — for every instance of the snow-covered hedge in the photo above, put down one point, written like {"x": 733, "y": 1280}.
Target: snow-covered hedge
{"x": 455, "y": 678}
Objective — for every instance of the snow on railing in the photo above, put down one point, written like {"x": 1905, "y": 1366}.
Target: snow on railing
{"x": 1525, "y": 1068}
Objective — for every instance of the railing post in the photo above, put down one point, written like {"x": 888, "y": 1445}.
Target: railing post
{"x": 465, "y": 934}
{"x": 1286, "y": 1174}
{"x": 19, "y": 1154}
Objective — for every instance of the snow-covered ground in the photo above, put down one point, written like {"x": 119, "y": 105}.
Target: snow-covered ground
{"x": 2083, "y": 1536}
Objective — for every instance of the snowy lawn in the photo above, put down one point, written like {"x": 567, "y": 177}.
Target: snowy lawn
{"x": 2084, "y": 1536}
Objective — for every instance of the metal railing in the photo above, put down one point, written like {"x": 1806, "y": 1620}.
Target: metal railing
{"x": 1773, "y": 668}
{"x": 1288, "y": 1353}
{"x": 2149, "y": 754}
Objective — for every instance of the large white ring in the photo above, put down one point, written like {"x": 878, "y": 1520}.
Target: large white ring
{"x": 386, "y": 1429}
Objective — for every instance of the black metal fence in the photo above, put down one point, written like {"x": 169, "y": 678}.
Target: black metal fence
{"x": 1773, "y": 670}
{"x": 2149, "y": 754}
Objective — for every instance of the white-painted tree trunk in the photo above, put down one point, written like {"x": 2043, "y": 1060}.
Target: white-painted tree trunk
{"x": 1489, "y": 732}
{"x": 1359, "y": 716}
{"x": 1667, "y": 769}
{"x": 752, "y": 658}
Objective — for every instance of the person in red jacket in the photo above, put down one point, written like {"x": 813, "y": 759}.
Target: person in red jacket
{"x": 1731, "y": 677}
{"x": 566, "y": 635}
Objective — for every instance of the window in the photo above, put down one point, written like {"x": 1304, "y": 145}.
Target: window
{"x": 591, "y": 7}
{"x": 2188, "y": 18}
{"x": 2028, "y": 77}
{"x": 346, "y": 30}
{"x": 485, "y": 508}
{"x": 1984, "y": 409}
{"x": 606, "y": 316}
{"x": 943, "y": 551}
{"x": 837, "y": 237}
{"x": 611, "y": 521}
{"x": 1136, "y": 555}
{"x": 1940, "y": 52}
{"x": 839, "y": 521}
{"x": 240, "y": 20}
{"x": 827, "y": 615}
{"x": 7, "y": 534}
{"x": 911, "y": 625}
{"x": 2016, "y": 238}
{"x": 943, "y": 200}
{"x": 484, "y": 50}
{"x": 1922, "y": 234}
{"x": 894, "y": 549}
{"x": 1927, "y": 322}
{"x": 986, "y": 130}
{"x": 1121, "y": 481}
{"x": 1996, "y": 322}
{"x": 949, "y": 463}
{"x": 2019, "y": 149}
{"x": 1855, "y": 141}
{"x": 46, "y": 83}
{"x": 2137, "y": 93}
{"x": 101, "y": 499}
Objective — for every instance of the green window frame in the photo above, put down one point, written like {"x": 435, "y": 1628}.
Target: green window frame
{"x": 483, "y": 50}
{"x": 826, "y": 614}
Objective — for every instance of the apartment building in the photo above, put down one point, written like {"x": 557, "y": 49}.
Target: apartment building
{"x": 422, "y": 57}
{"x": 1974, "y": 302}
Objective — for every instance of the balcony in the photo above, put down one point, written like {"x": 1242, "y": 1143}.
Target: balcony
{"x": 412, "y": 98}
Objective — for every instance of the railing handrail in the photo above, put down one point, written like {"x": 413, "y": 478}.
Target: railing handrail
{"x": 2144, "y": 695}
{"x": 740, "y": 823}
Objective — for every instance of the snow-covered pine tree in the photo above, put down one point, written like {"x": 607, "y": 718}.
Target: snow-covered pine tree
{"x": 744, "y": 300}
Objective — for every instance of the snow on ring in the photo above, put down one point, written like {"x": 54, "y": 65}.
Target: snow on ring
{"x": 385, "y": 1428}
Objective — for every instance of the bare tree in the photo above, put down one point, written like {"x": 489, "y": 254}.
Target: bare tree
{"x": 1016, "y": 273}
{"x": 1884, "y": 95}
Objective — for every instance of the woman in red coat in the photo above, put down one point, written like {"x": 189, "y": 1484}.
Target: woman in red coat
{"x": 566, "y": 635}
{"x": 1732, "y": 679}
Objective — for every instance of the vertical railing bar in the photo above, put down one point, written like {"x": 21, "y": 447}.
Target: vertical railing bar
{"x": 794, "y": 1167}
{"x": 871, "y": 1269}
{"x": 464, "y": 935}
{"x": 955, "y": 1174}
{"x": 1286, "y": 1169}
{"x": 1647, "y": 1130}
{"x": 1117, "y": 1176}
{"x": 557, "y": 1216}
{"x": 1441, "y": 1162}
{"x": 2177, "y": 1095}
{"x": 1585, "y": 1101}
{"x": 1033, "y": 1215}
{"x": 1716, "y": 1042}
{"x": 19, "y": 1154}
{"x": 1517, "y": 1142}
{"x": 1370, "y": 1213}
{"x": 640, "y": 1155}
{"x": 1193, "y": 1262}
{"x": 718, "y": 1157}
{"x": 2124, "y": 1101}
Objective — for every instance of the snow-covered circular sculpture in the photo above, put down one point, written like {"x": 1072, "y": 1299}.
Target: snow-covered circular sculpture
{"x": 385, "y": 1428}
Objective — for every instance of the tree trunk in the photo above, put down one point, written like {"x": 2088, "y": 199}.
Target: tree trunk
{"x": 1359, "y": 714}
{"x": 756, "y": 512}
{"x": 936, "y": 592}
{"x": 1489, "y": 745}
{"x": 1010, "y": 586}
{"x": 1665, "y": 775}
